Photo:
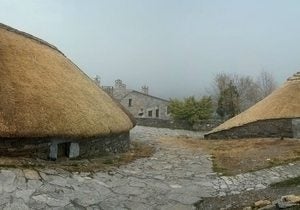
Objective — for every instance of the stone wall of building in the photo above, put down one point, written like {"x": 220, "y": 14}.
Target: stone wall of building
{"x": 260, "y": 129}
{"x": 141, "y": 105}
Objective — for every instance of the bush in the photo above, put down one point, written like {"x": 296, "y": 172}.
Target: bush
{"x": 191, "y": 110}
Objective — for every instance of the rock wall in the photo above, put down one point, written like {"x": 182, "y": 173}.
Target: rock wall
{"x": 35, "y": 147}
{"x": 40, "y": 147}
{"x": 259, "y": 129}
{"x": 205, "y": 125}
{"x": 105, "y": 145}
{"x": 296, "y": 127}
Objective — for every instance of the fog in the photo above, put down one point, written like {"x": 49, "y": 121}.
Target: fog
{"x": 175, "y": 47}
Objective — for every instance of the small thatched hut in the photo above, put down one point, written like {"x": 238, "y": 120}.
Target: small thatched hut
{"x": 49, "y": 106}
{"x": 278, "y": 115}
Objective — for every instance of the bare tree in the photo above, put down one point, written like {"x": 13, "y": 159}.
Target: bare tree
{"x": 266, "y": 83}
{"x": 248, "y": 91}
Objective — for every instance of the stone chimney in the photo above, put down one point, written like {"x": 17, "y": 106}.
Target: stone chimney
{"x": 145, "y": 89}
{"x": 119, "y": 84}
{"x": 119, "y": 90}
{"x": 97, "y": 80}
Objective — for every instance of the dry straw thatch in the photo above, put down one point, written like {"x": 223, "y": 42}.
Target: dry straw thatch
{"x": 283, "y": 103}
{"x": 43, "y": 94}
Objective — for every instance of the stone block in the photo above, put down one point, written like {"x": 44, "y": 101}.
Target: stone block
{"x": 296, "y": 128}
{"x": 53, "y": 151}
{"x": 73, "y": 150}
{"x": 31, "y": 174}
{"x": 262, "y": 203}
{"x": 105, "y": 145}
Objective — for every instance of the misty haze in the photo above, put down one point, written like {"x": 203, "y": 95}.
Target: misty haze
{"x": 174, "y": 47}
{"x": 150, "y": 104}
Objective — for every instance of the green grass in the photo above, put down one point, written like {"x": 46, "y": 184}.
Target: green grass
{"x": 292, "y": 182}
{"x": 219, "y": 169}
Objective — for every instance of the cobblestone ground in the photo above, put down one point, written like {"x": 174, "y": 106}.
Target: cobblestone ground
{"x": 171, "y": 179}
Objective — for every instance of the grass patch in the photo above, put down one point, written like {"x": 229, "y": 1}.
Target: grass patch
{"x": 219, "y": 169}
{"x": 292, "y": 182}
{"x": 231, "y": 157}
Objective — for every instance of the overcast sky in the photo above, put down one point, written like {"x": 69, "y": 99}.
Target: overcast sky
{"x": 173, "y": 46}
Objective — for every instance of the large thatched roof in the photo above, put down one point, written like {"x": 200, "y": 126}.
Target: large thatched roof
{"x": 43, "y": 94}
{"x": 282, "y": 103}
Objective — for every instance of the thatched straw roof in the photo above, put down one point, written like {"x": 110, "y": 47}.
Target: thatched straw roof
{"x": 282, "y": 103}
{"x": 43, "y": 94}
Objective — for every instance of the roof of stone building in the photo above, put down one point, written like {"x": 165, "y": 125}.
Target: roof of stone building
{"x": 144, "y": 94}
{"x": 44, "y": 94}
{"x": 282, "y": 103}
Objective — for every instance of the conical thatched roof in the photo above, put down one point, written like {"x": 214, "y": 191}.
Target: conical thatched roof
{"x": 43, "y": 94}
{"x": 281, "y": 104}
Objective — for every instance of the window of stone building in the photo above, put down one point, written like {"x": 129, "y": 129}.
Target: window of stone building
{"x": 157, "y": 113}
{"x": 150, "y": 113}
{"x": 141, "y": 113}
{"x": 130, "y": 102}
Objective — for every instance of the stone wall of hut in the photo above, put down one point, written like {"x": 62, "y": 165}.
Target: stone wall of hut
{"x": 40, "y": 147}
{"x": 105, "y": 145}
{"x": 260, "y": 129}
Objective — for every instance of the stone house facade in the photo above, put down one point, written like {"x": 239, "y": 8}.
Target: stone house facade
{"x": 139, "y": 103}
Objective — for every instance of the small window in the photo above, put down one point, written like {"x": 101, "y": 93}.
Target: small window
{"x": 130, "y": 102}
{"x": 150, "y": 113}
{"x": 157, "y": 113}
{"x": 141, "y": 113}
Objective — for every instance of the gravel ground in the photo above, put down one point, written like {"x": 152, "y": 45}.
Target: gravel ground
{"x": 173, "y": 178}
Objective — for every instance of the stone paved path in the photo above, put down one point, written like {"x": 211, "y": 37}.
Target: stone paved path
{"x": 170, "y": 179}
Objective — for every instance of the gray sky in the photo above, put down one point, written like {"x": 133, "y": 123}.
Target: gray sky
{"x": 173, "y": 46}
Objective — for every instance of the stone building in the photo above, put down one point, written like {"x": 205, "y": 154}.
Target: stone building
{"x": 49, "y": 107}
{"x": 278, "y": 115}
{"x": 139, "y": 103}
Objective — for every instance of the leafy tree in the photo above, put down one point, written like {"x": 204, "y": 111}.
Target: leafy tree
{"x": 228, "y": 103}
{"x": 191, "y": 109}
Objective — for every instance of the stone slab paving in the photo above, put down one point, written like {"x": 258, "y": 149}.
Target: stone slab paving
{"x": 171, "y": 179}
